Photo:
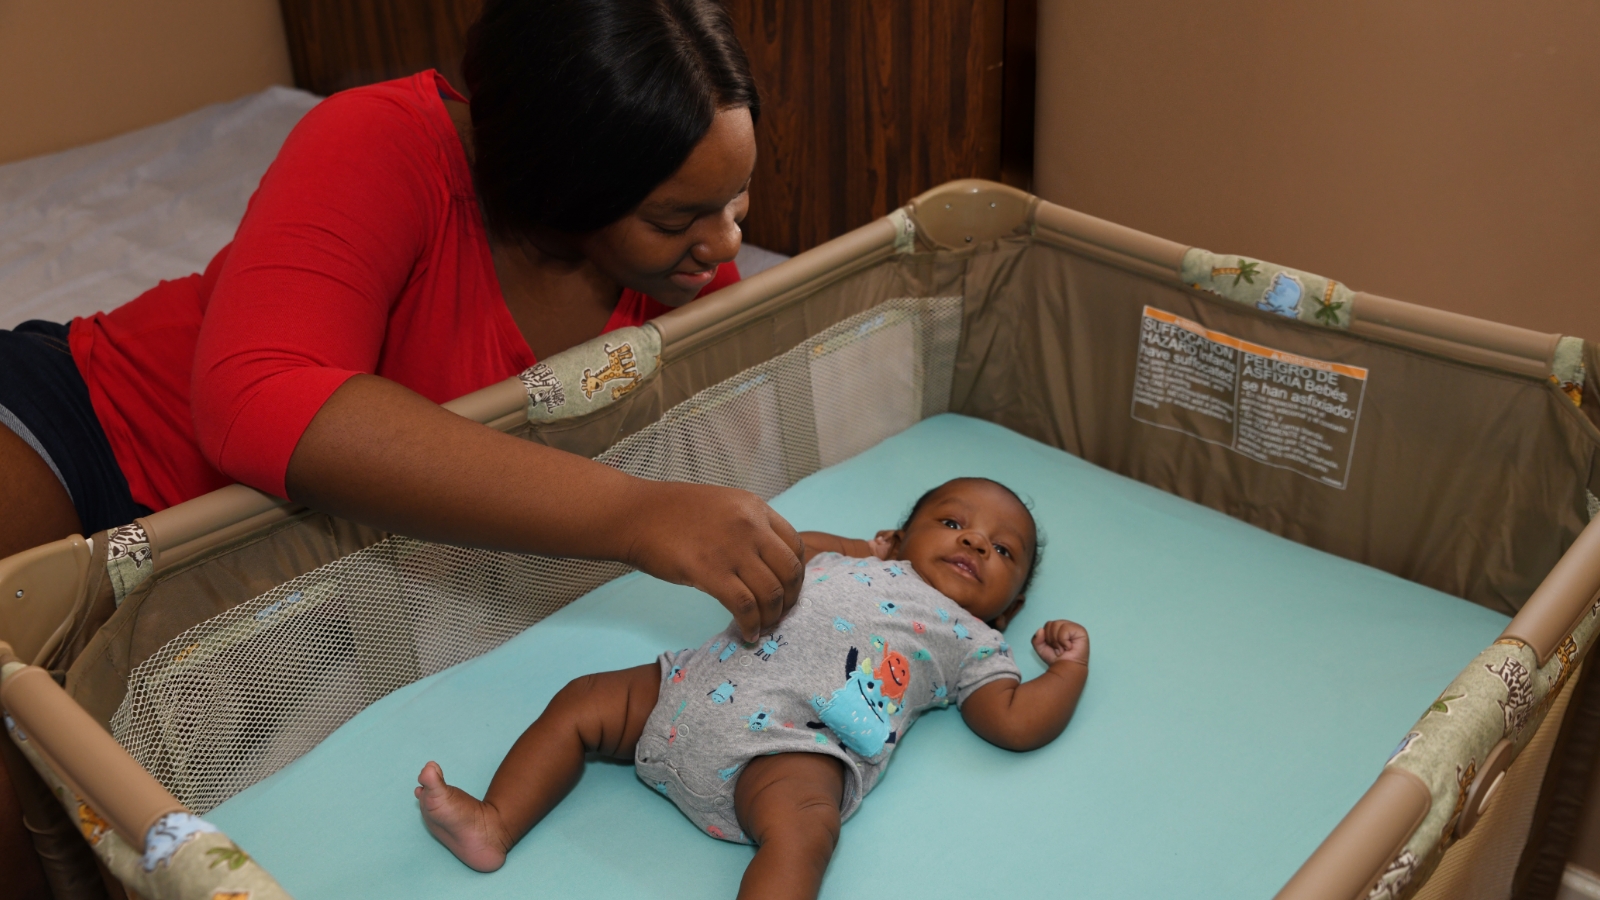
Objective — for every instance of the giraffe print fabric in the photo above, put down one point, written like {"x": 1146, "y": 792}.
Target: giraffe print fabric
{"x": 1503, "y": 694}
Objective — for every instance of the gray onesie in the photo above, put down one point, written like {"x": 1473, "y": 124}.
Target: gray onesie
{"x": 867, "y": 649}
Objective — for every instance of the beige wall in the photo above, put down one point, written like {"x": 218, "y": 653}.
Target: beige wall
{"x": 77, "y": 71}
{"x": 1443, "y": 153}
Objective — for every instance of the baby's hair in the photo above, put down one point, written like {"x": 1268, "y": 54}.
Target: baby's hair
{"x": 1038, "y": 536}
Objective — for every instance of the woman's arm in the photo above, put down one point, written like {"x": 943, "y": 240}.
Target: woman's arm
{"x": 303, "y": 303}
{"x": 1028, "y": 715}
{"x": 379, "y": 453}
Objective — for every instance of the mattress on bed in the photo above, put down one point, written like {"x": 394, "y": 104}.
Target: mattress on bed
{"x": 90, "y": 228}
{"x": 1245, "y": 691}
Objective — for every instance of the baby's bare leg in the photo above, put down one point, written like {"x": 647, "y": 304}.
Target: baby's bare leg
{"x": 602, "y": 713}
{"x": 789, "y": 805}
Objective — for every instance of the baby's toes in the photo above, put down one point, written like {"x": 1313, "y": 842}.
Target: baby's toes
{"x": 431, "y": 778}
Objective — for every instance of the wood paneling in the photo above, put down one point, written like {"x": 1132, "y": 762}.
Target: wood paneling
{"x": 864, "y": 106}
{"x": 338, "y": 44}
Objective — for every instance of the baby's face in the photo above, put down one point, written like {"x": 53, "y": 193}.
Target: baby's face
{"x": 973, "y": 542}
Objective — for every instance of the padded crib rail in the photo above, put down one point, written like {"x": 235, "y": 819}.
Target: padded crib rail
{"x": 1044, "y": 360}
{"x": 959, "y": 216}
{"x": 1449, "y": 769}
{"x": 1569, "y": 593}
{"x": 141, "y": 832}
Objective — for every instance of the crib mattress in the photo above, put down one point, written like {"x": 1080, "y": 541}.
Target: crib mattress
{"x": 1245, "y": 691}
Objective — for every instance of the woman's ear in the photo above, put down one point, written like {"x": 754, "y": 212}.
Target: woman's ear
{"x": 1000, "y": 622}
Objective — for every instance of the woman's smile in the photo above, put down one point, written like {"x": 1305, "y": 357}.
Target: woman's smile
{"x": 693, "y": 281}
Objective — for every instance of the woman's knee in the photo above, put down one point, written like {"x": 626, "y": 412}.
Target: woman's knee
{"x": 34, "y": 507}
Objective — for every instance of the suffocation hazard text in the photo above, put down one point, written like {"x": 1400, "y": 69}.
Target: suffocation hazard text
{"x": 1285, "y": 410}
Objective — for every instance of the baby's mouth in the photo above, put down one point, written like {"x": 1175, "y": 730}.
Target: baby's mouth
{"x": 965, "y": 566}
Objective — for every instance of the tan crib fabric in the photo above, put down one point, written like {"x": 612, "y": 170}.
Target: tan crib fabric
{"x": 1467, "y": 477}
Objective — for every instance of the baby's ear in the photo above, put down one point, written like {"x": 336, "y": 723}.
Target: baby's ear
{"x": 999, "y": 623}
{"x": 889, "y": 542}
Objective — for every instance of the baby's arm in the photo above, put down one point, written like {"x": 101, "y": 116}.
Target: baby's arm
{"x": 1028, "y": 715}
{"x": 822, "y": 542}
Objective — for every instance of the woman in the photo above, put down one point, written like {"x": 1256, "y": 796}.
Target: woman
{"x": 406, "y": 248}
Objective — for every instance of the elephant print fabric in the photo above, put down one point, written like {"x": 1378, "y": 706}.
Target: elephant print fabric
{"x": 867, "y": 649}
{"x": 1282, "y": 295}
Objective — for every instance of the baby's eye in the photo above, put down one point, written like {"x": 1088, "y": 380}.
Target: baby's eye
{"x": 1003, "y": 550}
{"x": 949, "y": 523}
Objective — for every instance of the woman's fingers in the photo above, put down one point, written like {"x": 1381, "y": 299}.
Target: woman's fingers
{"x": 767, "y": 590}
{"x": 754, "y": 596}
{"x": 781, "y": 551}
{"x": 739, "y": 600}
{"x": 727, "y": 543}
{"x": 785, "y": 532}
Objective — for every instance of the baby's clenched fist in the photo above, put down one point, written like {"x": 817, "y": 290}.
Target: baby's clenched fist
{"x": 1060, "y": 640}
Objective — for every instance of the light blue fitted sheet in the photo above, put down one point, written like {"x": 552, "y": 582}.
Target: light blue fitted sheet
{"x": 1245, "y": 691}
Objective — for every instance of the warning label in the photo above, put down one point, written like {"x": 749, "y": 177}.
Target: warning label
{"x": 1288, "y": 411}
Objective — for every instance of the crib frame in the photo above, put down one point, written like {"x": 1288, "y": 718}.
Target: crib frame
{"x": 53, "y": 598}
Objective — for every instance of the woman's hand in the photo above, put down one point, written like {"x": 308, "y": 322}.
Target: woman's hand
{"x": 381, "y": 454}
{"x": 725, "y": 542}
{"x": 1060, "y": 640}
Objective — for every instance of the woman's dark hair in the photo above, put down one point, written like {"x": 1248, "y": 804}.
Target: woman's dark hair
{"x": 580, "y": 108}
{"x": 1038, "y": 536}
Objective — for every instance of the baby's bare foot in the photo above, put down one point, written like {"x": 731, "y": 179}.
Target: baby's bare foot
{"x": 467, "y": 826}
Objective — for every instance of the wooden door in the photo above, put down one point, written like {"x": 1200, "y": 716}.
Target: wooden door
{"x": 865, "y": 105}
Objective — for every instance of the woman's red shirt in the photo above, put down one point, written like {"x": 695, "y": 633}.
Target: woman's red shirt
{"x": 362, "y": 251}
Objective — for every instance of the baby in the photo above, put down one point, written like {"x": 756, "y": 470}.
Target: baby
{"x": 776, "y": 742}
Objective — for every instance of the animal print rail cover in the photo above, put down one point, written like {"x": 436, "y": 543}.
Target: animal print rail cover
{"x": 591, "y": 375}
{"x": 183, "y": 857}
{"x": 1269, "y": 287}
{"x": 1503, "y": 694}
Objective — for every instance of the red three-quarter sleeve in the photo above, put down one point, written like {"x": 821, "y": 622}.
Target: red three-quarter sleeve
{"x": 303, "y": 300}
{"x": 363, "y": 251}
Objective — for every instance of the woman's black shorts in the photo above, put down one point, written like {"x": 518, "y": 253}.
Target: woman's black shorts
{"x": 43, "y": 398}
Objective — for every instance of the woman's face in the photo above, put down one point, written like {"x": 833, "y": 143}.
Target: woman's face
{"x": 669, "y": 247}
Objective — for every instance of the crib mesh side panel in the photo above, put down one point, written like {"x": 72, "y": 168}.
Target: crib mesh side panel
{"x": 239, "y": 696}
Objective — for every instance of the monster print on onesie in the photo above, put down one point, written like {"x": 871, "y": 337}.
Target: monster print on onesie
{"x": 867, "y": 649}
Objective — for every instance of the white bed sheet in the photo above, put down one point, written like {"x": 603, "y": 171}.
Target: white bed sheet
{"x": 93, "y": 227}
{"x": 90, "y": 228}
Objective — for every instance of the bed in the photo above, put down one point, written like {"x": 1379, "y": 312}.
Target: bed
{"x": 90, "y": 228}
{"x": 1361, "y": 701}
